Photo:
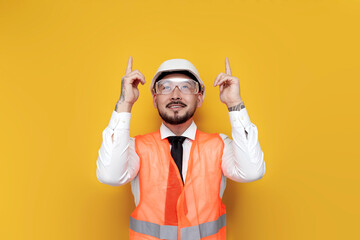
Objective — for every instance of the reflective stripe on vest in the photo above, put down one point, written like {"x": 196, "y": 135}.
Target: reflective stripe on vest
{"x": 153, "y": 229}
{"x": 171, "y": 232}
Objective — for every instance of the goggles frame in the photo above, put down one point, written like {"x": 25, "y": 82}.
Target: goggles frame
{"x": 173, "y": 86}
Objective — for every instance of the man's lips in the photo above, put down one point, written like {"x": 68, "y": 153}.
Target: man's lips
{"x": 175, "y": 105}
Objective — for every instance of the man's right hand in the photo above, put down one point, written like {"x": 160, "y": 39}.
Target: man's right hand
{"x": 129, "y": 88}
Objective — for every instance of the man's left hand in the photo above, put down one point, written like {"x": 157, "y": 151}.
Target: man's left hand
{"x": 229, "y": 87}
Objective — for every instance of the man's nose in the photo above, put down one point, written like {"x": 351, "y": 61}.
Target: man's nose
{"x": 176, "y": 93}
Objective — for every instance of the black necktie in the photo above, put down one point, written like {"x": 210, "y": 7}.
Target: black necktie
{"x": 177, "y": 151}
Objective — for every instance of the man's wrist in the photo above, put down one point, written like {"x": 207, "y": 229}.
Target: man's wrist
{"x": 237, "y": 106}
{"x": 122, "y": 106}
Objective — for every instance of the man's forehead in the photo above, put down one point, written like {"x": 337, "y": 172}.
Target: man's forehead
{"x": 176, "y": 79}
{"x": 176, "y": 75}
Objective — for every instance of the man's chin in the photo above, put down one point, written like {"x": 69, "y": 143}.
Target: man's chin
{"x": 174, "y": 118}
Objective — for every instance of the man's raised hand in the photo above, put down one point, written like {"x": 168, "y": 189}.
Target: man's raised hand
{"x": 129, "y": 88}
{"x": 229, "y": 88}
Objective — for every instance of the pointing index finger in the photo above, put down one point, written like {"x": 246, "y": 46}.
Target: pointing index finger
{"x": 129, "y": 66}
{"x": 227, "y": 66}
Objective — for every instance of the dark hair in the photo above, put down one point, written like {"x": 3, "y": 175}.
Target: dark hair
{"x": 189, "y": 74}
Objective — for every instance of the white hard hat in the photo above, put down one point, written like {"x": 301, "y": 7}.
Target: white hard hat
{"x": 178, "y": 65}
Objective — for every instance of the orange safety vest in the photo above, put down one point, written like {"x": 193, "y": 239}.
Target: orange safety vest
{"x": 169, "y": 209}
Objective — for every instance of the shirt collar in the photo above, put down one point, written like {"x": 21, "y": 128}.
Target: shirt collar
{"x": 189, "y": 132}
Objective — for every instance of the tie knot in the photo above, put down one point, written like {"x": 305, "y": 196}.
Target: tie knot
{"x": 176, "y": 139}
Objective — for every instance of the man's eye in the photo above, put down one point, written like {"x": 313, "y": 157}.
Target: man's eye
{"x": 165, "y": 87}
{"x": 185, "y": 86}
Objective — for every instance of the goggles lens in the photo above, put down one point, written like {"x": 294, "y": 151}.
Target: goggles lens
{"x": 186, "y": 86}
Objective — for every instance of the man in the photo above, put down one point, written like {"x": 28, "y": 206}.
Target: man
{"x": 178, "y": 174}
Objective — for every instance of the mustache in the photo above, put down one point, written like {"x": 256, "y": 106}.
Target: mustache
{"x": 177, "y": 103}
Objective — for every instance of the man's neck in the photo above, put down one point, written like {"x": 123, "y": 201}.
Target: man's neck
{"x": 179, "y": 129}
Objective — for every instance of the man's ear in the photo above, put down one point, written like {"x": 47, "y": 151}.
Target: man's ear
{"x": 154, "y": 100}
{"x": 199, "y": 99}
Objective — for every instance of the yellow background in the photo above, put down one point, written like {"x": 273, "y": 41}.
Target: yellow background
{"x": 60, "y": 68}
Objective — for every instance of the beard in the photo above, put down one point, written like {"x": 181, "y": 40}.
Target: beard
{"x": 175, "y": 118}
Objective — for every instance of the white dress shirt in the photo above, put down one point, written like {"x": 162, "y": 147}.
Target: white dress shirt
{"x": 118, "y": 163}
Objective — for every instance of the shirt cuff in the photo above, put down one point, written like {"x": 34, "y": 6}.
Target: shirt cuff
{"x": 240, "y": 118}
{"x": 120, "y": 120}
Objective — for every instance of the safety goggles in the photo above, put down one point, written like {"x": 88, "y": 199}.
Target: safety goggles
{"x": 186, "y": 86}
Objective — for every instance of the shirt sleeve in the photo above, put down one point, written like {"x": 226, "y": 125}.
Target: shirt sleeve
{"x": 117, "y": 162}
{"x": 243, "y": 159}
